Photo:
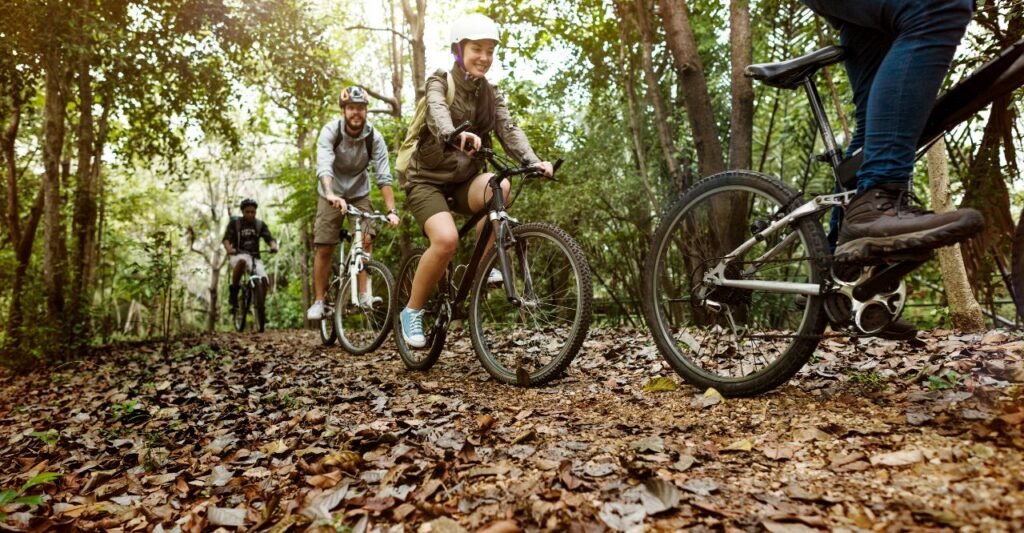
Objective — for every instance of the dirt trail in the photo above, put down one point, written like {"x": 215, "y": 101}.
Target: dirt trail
{"x": 276, "y": 431}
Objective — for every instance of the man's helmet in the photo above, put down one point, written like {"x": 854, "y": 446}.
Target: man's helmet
{"x": 353, "y": 95}
{"x": 247, "y": 203}
{"x": 473, "y": 27}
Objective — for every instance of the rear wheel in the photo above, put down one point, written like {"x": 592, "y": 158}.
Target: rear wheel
{"x": 362, "y": 329}
{"x": 436, "y": 316}
{"x": 1017, "y": 270}
{"x": 533, "y": 341}
{"x": 328, "y": 334}
{"x": 260, "y": 306}
{"x": 740, "y": 341}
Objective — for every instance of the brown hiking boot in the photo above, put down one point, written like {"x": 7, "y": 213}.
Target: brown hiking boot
{"x": 882, "y": 223}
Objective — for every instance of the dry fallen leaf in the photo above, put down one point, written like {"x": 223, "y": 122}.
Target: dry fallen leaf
{"x": 900, "y": 458}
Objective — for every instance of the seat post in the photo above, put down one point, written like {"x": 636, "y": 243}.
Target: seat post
{"x": 831, "y": 148}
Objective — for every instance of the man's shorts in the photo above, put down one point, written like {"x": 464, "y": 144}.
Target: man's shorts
{"x": 425, "y": 200}
{"x": 327, "y": 227}
{"x": 243, "y": 257}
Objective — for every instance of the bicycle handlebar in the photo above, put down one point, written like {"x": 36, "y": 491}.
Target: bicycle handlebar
{"x": 356, "y": 212}
{"x": 489, "y": 155}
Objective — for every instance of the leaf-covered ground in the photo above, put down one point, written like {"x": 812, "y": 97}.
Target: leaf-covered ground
{"x": 276, "y": 432}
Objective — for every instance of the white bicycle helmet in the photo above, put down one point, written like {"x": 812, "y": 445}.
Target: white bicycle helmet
{"x": 474, "y": 26}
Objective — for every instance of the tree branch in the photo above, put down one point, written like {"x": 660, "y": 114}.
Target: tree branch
{"x": 392, "y": 30}
{"x": 389, "y": 100}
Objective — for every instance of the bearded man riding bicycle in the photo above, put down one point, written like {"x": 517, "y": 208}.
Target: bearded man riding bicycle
{"x": 344, "y": 152}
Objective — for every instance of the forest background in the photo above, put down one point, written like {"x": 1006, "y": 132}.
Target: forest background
{"x": 129, "y": 132}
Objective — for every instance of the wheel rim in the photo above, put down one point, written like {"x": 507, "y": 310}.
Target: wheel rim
{"x": 747, "y": 332}
{"x": 536, "y": 336}
{"x": 362, "y": 326}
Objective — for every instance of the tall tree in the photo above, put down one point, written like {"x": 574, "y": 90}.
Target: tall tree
{"x": 683, "y": 46}
{"x": 741, "y": 127}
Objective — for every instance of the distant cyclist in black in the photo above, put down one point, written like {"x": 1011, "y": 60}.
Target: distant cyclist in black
{"x": 242, "y": 241}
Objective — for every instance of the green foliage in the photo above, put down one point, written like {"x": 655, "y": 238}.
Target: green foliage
{"x": 869, "y": 379}
{"x": 946, "y": 380}
{"x": 49, "y": 437}
{"x": 17, "y": 496}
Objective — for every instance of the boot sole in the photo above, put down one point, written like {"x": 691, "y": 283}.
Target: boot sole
{"x": 908, "y": 246}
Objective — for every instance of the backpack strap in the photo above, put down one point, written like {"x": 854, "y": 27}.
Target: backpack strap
{"x": 337, "y": 138}
{"x": 369, "y": 147}
{"x": 450, "y": 95}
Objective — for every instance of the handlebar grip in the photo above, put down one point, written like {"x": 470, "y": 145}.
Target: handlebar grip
{"x": 455, "y": 133}
{"x": 558, "y": 164}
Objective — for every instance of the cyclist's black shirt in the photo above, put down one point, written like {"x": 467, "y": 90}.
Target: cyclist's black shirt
{"x": 246, "y": 239}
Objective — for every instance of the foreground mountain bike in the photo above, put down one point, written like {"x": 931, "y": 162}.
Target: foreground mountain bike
{"x": 740, "y": 283}
{"x": 527, "y": 329}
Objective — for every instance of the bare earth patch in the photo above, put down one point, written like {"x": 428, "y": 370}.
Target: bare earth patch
{"x": 275, "y": 432}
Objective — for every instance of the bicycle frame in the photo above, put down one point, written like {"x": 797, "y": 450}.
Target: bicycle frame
{"x": 500, "y": 224}
{"x": 351, "y": 265}
{"x": 994, "y": 79}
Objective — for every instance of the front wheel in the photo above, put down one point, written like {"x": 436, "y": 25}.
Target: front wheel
{"x": 242, "y": 312}
{"x": 435, "y": 317}
{"x": 328, "y": 332}
{"x": 741, "y": 341}
{"x": 363, "y": 326}
{"x": 532, "y": 341}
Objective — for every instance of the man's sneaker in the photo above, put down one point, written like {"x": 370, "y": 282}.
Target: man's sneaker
{"x": 315, "y": 311}
{"x": 882, "y": 221}
{"x": 412, "y": 327}
{"x": 494, "y": 277}
{"x": 368, "y": 301}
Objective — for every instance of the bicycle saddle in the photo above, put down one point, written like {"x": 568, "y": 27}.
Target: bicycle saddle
{"x": 791, "y": 73}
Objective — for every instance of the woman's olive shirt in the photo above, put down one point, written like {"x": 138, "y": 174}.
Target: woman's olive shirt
{"x": 432, "y": 163}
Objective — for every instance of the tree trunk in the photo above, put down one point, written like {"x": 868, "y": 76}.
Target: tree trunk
{"x": 308, "y": 251}
{"x": 683, "y": 46}
{"x": 964, "y": 311}
{"x": 417, "y": 21}
{"x": 54, "y": 254}
{"x": 397, "y": 63}
{"x": 985, "y": 190}
{"x": 741, "y": 129}
{"x": 84, "y": 218}
{"x": 663, "y": 120}
{"x": 634, "y": 114}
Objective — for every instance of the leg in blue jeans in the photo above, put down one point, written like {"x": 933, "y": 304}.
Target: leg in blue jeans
{"x": 898, "y": 52}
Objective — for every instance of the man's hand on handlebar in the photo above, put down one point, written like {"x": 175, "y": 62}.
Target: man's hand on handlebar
{"x": 393, "y": 220}
{"x": 337, "y": 202}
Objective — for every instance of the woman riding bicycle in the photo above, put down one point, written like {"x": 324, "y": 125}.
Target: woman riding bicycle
{"x": 438, "y": 171}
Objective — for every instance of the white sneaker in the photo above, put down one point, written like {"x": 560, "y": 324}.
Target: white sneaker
{"x": 494, "y": 277}
{"x": 368, "y": 301}
{"x": 315, "y": 311}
